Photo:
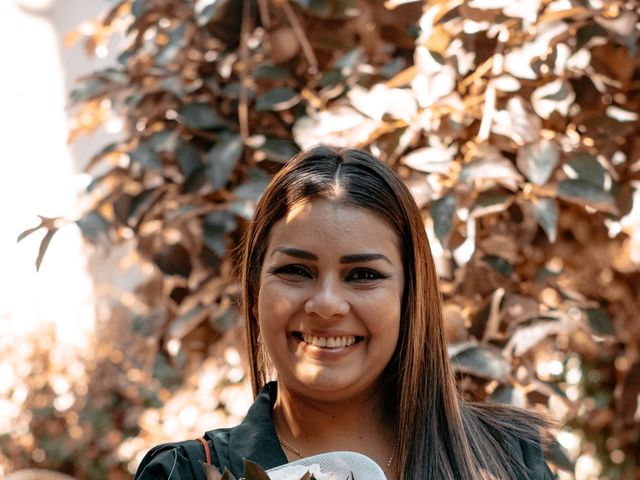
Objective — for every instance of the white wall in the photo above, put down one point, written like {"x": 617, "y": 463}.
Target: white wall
{"x": 39, "y": 171}
{"x": 39, "y": 175}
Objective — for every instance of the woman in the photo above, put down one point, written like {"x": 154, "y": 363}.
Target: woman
{"x": 341, "y": 303}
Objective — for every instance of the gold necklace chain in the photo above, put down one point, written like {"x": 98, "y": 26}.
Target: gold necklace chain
{"x": 297, "y": 452}
{"x": 291, "y": 448}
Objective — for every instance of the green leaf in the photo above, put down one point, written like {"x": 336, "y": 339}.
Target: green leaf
{"x": 112, "y": 173}
{"x": 543, "y": 274}
{"x": 195, "y": 181}
{"x": 587, "y": 168}
{"x": 538, "y": 160}
{"x": 494, "y": 168}
{"x": 435, "y": 159}
{"x": 546, "y": 213}
{"x": 232, "y": 91}
{"x": 138, "y": 8}
{"x": 98, "y": 156}
{"x": 167, "y": 372}
{"x": 335, "y": 9}
{"x": 173, "y": 45}
{"x": 277, "y": 150}
{"x": 223, "y": 158}
{"x": 189, "y": 159}
{"x": 350, "y": 59}
{"x": 146, "y": 156}
{"x": 253, "y": 471}
{"x": 140, "y": 205}
{"x": 215, "y": 227}
{"x": 524, "y": 338}
{"x": 271, "y": 72}
{"x": 587, "y": 32}
{"x": 173, "y": 260}
{"x": 124, "y": 57}
{"x": 392, "y": 67}
{"x": 200, "y": 116}
{"x": 88, "y": 89}
{"x": 585, "y": 193}
{"x": 162, "y": 141}
{"x": 151, "y": 323}
{"x": 509, "y": 395}
{"x": 225, "y": 317}
{"x": 253, "y": 188}
{"x": 600, "y": 322}
{"x": 242, "y": 208}
{"x": 277, "y": 99}
{"x": 482, "y": 361}
{"x": 175, "y": 86}
{"x": 112, "y": 74}
{"x": 491, "y": 202}
{"x": 208, "y": 9}
{"x": 331, "y": 78}
{"x": 499, "y": 264}
{"x": 185, "y": 323}
{"x": 442, "y": 211}
{"x": 95, "y": 228}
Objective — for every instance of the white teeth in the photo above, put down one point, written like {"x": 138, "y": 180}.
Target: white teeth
{"x": 329, "y": 342}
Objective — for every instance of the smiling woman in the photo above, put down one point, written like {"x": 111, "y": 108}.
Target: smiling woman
{"x": 346, "y": 340}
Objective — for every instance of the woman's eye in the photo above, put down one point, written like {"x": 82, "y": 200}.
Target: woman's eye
{"x": 293, "y": 271}
{"x": 364, "y": 275}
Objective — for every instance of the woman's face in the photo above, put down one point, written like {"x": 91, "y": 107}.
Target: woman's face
{"x": 330, "y": 297}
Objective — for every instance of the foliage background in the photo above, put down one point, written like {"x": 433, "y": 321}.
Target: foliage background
{"x": 515, "y": 125}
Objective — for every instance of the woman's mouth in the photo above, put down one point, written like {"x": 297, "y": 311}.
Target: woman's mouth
{"x": 328, "y": 342}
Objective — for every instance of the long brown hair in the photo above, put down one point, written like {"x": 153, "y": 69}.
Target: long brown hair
{"x": 439, "y": 435}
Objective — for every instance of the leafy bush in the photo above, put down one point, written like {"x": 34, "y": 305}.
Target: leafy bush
{"x": 515, "y": 125}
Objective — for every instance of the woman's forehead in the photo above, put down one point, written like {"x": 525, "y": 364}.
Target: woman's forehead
{"x": 319, "y": 223}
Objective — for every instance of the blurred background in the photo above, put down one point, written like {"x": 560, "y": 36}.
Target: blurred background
{"x": 140, "y": 133}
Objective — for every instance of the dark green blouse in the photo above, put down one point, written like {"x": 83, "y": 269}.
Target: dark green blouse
{"x": 255, "y": 439}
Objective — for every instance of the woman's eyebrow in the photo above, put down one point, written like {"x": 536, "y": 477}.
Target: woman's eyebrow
{"x": 364, "y": 257}
{"x": 354, "y": 258}
{"x": 296, "y": 252}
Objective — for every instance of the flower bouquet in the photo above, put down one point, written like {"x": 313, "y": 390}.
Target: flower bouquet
{"x": 326, "y": 466}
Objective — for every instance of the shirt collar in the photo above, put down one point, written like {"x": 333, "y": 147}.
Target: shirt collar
{"x": 255, "y": 438}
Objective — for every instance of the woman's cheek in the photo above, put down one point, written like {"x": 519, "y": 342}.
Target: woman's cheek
{"x": 279, "y": 299}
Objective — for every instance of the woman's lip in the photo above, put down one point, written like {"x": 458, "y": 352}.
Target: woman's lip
{"x": 325, "y": 334}
{"x": 324, "y": 354}
{"x": 326, "y": 343}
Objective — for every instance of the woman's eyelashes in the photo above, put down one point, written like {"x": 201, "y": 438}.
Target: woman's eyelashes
{"x": 356, "y": 275}
{"x": 363, "y": 275}
{"x": 292, "y": 271}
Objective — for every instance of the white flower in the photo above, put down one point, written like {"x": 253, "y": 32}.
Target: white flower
{"x": 295, "y": 472}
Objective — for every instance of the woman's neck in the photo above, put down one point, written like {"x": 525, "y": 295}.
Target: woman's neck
{"x": 308, "y": 426}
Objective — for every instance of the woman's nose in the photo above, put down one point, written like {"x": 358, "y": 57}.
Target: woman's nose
{"x": 327, "y": 300}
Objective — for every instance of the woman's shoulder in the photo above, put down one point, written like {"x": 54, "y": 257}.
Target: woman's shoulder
{"x": 180, "y": 460}
{"x": 169, "y": 460}
{"x": 254, "y": 439}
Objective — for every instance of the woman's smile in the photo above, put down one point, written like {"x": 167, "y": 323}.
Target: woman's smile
{"x": 326, "y": 348}
{"x": 329, "y": 299}
{"x": 333, "y": 342}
